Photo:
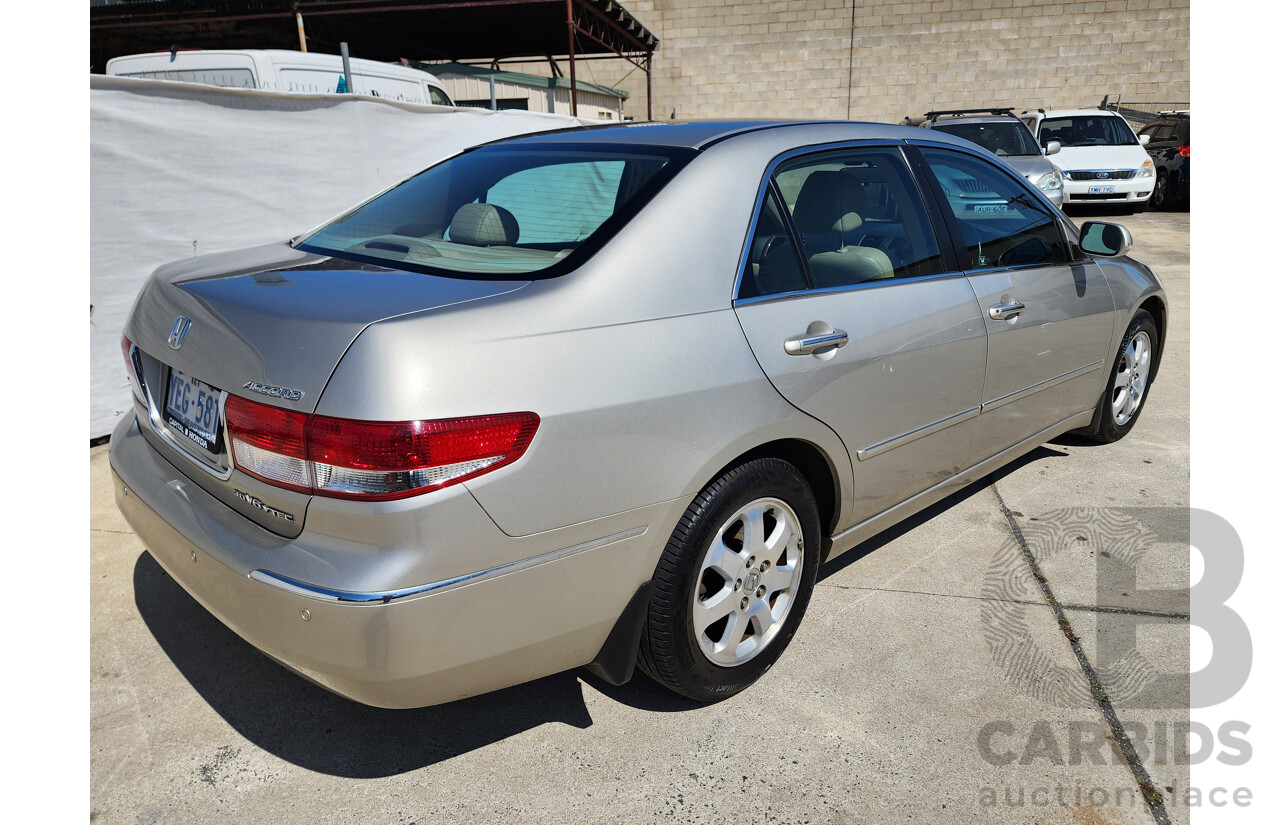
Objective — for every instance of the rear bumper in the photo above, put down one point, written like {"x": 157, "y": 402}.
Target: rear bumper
{"x": 407, "y": 647}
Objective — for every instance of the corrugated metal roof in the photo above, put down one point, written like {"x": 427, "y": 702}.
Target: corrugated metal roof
{"x": 425, "y": 30}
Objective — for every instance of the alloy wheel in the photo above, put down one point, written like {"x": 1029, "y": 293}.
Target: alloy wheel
{"x": 1131, "y": 379}
{"x": 749, "y": 578}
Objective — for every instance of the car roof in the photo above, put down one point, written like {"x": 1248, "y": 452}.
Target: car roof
{"x": 942, "y": 121}
{"x": 701, "y": 135}
{"x": 1079, "y": 112}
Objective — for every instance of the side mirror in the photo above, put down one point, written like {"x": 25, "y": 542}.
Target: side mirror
{"x": 1053, "y": 147}
{"x": 1106, "y": 239}
{"x": 1144, "y": 139}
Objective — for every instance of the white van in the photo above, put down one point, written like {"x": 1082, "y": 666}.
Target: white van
{"x": 279, "y": 70}
{"x": 1102, "y": 161}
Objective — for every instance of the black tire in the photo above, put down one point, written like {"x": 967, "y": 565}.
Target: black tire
{"x": 1108, "y": 428}
{"x": 1160, "y": 196}
{"x": 670, "y": 651}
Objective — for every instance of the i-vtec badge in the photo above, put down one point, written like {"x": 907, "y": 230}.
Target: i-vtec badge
{"x": 273, "y": 391}
{"x": 261, "y": 505}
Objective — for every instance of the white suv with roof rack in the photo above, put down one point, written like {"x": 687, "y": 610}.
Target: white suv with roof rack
{"x": 1102, "y": 160}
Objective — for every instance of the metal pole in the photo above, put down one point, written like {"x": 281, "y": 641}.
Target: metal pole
{"x": 573, "y": 71}
{"x": 648, "y": 82}
{"x": 346, "y": 66}
{"x": 302, "y": 34}
{"x": 493, "y": 95}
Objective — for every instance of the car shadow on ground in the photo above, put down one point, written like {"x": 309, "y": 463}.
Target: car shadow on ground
{"x": 866, "y": 548}
{"x": 304, "y": 724}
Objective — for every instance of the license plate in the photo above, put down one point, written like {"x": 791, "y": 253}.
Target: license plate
{"x": 1101, "y": 190}
{"x": 997, "y": 207}
{"x": 191, "y": 408}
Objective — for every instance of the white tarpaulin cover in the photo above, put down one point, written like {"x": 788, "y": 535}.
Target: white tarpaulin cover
{"x": 179, "y": 170}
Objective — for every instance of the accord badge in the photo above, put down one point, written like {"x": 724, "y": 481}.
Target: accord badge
{"x": 273, "y": 391}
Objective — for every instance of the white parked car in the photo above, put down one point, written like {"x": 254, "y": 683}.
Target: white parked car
{"x": 1102, "y": 160}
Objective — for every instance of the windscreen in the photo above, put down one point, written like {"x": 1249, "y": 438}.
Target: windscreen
{"x": 504, "y": 210}
{"x": 1087, "y": 130}
{"x": 1001, "y": 139}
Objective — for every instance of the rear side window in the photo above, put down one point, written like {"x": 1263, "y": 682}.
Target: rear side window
{"x": 1002, "y": 223}
{"x": 774, "y": 265}
{"x": 858, "y": 216}
{"x": 504, "y": 210}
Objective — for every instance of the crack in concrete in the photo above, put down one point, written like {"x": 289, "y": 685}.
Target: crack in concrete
{"x": 1091, "y": 608}
{"x": 1152, "y": 796}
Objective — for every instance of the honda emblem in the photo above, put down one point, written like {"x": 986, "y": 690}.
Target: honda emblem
{"x": 179, "y": 332}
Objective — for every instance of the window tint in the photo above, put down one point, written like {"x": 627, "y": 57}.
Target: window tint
{"x": 1002, "y": 223}
{"x": 773, "y": 266}
{"x": 1006, "y": 138}
{"x": 559, "y": 203}
{"x": 859, "y": 217}
{"x": 503, "y": 210}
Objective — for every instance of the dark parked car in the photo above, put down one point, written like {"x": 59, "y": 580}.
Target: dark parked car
{"x": 1169, "y": 145}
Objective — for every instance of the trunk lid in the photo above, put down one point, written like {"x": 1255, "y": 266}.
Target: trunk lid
{"x": 269, "y": 324}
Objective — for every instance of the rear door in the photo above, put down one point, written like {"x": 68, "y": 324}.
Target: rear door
{"x": 860, "y": 318}
{"x": 1048, "y": 315}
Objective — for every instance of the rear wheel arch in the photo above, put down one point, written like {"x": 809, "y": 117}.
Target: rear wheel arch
{"x": 817, "y": 469}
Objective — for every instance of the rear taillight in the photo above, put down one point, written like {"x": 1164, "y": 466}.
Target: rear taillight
{"x": 135, "y": 380}
{"x": 269, "y": 443}
{"x": 1185, "y": 151}
{"x": 370, "y": 460}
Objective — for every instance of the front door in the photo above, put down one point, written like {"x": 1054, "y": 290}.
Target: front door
{"x": 1048, "y": 316}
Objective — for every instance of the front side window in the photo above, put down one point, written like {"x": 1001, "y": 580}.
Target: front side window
{"x": 1001, "y": 222}
{"x": 1007, "y": 138}
{"x": 1087, "y": 130}
{"x": 503, "y": 210}
{"x": 859, "y": 216}
{"x": 438, "y": 97}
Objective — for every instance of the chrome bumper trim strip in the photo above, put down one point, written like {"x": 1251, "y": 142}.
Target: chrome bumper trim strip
{"x": 330, "y": 595}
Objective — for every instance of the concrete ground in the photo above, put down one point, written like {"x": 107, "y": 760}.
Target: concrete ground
{"x": 931, "y": 680}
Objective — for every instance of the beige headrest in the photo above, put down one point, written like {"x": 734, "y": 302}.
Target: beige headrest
{"x": 483, "y": 224}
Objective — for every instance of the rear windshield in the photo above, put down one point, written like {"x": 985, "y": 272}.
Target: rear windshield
{"x": 504, "y": 210}
{"x": 1087, "y": 130}
{"x": 1001, "y": 139}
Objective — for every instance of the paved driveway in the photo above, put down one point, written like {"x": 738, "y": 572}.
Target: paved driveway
{"x": 1010, "y": 655}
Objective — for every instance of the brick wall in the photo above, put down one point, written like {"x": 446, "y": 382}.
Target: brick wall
{"x": 756, "y": 59}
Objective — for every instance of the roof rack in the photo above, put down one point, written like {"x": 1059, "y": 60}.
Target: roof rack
{"x": 1167, "y": 112}
{"x": 930, "y": 117}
